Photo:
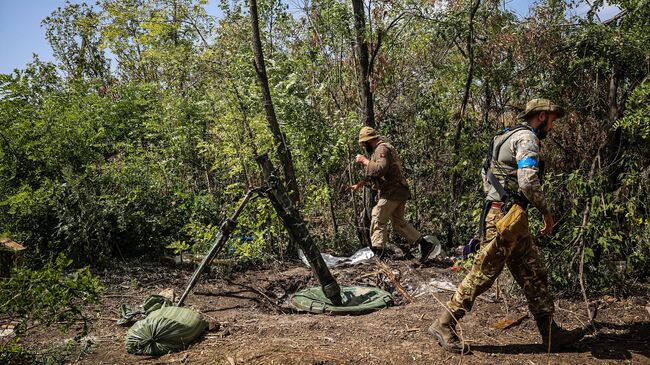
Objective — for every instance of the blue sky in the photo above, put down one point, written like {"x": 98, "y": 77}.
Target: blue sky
{"x": 21, "y": 33}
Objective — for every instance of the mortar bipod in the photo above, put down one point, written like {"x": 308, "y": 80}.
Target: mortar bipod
{"x": 293, "y": 223}
{"x": 226, "y": 229}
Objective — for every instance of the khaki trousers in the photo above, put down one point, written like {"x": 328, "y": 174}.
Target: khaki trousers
{"x": 393, "y": 211}
{"x": 519, "y": 252}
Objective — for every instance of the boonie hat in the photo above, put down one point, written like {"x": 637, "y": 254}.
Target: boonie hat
{"x": 366, "y": 134}
{"x": 541, "y": 105}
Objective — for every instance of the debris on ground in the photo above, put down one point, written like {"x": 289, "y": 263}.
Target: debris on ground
{"x": 10, "y": 245}
{"x": 506, "y": 323}
{"x": 434, "y": 286}
{"x": 359, "y": 257}
{"x": 168, "y": 294}
{"x": 7, "y": 329}
{"x": 250, "y": 331}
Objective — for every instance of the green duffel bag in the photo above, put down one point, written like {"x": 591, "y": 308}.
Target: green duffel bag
{"x": 165, "y": 330}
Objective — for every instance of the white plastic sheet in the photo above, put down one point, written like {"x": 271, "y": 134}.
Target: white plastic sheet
{"x": 359, "y": 257}
{"x": 434, "y": 286}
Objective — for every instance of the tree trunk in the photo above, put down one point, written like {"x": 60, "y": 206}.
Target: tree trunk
{"x": 282, "y": 146}
{"x": 367, "y": 101}
{"x": 612, "y": 97}
{"x": 614, "y": 138}
{"x": 456, "y": 191}
{"x": 456, "y": 187}
{"x": 362, "y": 233}
{"x": 335, "y": 224}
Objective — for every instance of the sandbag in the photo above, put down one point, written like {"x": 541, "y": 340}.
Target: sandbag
{"x": 165, "y": 330}
{"x": 152, "y": 303}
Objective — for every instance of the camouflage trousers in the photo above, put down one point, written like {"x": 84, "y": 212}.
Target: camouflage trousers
{"x": 519, "y": 252}
{"x": 393, "y": 211}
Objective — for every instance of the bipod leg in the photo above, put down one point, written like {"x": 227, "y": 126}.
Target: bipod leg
{"x": 226, "y": 229}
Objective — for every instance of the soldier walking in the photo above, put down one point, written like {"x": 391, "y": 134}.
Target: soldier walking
{"x": 383, "y": 172}
{"x": 512, "y": 181}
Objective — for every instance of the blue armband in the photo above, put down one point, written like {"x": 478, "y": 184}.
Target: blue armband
{"x": 527, "y": 162}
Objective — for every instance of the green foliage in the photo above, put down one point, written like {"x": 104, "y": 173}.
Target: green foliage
{"x": 462, "y": 266}
{"x": 98, "y": 176}
{"x": 53, "y": 295}
{"x": 178, "y": 247}
{"x": 611, "y": 226}
{"x": 49, "y": 295}
{"x": 637, "y": 118}
{"x": 73, "y": 33}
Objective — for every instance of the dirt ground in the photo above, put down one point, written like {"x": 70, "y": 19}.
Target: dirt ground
{"x": 252, "y": 321}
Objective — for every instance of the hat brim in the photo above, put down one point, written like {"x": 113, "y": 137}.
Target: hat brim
{"x": 367, "y": 138}
{"x": 558, "y": 110}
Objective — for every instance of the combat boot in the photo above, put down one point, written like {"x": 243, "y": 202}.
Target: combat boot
{"x": 426, "y": 244}
{"x": 379, "y": 252}
{"x": 444, "y": 330}
{"x": 390, "y": 251}
{"x": 554, "y": 337}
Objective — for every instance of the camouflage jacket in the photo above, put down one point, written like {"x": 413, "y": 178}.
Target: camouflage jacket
{"x": 384, "y": 173}
{"x": 516, "y": 166}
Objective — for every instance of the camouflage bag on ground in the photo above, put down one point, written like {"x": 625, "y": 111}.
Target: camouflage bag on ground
{"x": 152, "y": 303}
{"x": 165, "y": 330}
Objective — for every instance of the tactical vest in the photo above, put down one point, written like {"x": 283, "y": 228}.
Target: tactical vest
{"x": 503, "y": 164}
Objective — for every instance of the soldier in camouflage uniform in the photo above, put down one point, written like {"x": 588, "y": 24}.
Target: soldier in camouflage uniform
{"x": 511, "y": 180}
{"x": 384, "y": 173}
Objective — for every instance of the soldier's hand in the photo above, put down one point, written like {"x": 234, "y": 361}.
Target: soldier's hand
{"x": 361, "y": 159}
{"x": 356, "y": 186}
{"x": 548, "y": 224}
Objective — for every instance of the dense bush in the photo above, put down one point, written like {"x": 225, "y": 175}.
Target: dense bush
{"x": 39, "y": 299}
{"x": 154, "y": 152}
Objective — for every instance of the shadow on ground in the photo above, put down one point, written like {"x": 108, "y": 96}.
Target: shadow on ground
{"x": 620, "y": 345}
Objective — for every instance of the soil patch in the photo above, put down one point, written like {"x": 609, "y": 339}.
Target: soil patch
{"x": 253, "y": 323}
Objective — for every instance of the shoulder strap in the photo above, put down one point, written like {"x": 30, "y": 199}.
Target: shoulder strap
{"x": 497, "y": 185}
{"x": 509, "y": 132}
{"x": 490, "y": 155}
{"x": 490, "y": 151}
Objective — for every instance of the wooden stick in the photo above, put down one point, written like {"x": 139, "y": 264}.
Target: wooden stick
{"x": 389, "y": 274}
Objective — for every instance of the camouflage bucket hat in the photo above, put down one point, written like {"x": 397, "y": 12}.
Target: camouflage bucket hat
{"x": 541, "y": 105}
{"x": 366, "y": 134}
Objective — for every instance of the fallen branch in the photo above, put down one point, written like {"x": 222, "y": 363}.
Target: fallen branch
{"x": 314, "y": 354}
{"x": 506, "y": 323}
{"x": 263, "y": 295}
{"x": 389, "y": 274}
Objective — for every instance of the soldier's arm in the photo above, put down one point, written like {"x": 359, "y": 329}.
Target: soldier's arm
{"x": 379, "y": 167}
{"x": 525, "y": 146}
